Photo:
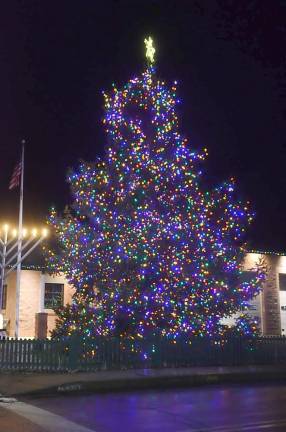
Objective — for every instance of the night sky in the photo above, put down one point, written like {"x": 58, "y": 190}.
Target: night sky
{"x": 56, "y": 57}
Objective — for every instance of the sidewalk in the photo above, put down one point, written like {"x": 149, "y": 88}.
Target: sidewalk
{"x": 17, "y": 384}
{"x": 11, "y": 422}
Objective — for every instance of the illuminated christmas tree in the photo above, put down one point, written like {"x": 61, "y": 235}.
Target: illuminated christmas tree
{"x": 147, "y": 247}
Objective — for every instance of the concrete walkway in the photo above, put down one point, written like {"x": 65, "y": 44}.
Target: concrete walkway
{"x": 13, "y": 422}
{"x": 17, "y": 384}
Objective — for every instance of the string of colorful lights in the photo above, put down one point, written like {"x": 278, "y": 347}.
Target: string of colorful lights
{"x": 147, "y": 247}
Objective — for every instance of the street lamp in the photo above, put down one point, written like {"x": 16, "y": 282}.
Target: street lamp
{"x": 22, "y": 243}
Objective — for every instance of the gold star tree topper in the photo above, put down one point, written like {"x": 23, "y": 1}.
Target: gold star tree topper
{"x": 150, "y": 50}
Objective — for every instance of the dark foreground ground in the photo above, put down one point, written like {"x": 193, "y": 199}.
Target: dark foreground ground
{"x": 19, "y": 384}
{"x": 217, "y": 408}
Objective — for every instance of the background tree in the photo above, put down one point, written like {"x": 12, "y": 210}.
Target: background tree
{"x": 164, "y": 253}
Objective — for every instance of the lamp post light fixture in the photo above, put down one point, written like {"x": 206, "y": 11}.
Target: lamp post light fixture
{"x": 14, "y": 248}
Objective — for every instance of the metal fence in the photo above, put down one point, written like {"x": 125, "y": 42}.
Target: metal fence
{"x": 115, "y": 353}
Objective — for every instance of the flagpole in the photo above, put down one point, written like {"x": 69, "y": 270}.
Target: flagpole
{"x": 4, "y": 248}
{"x": 20, "y": 238}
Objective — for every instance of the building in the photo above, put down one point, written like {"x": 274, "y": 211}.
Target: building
{"x": 270, "y": 305}
{"x": 41, "y": 292}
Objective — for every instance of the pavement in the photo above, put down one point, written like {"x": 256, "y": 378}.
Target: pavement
{"x": 231, "y": 407}
{"x": 13, "y": 422}
{"x": 17, "y": 384}
{"x": 20, "y": 416}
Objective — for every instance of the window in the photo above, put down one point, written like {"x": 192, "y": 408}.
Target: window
{"x": 282, "y": 281}
{"x": 4, "y": 297}
{"x": 248, "y": 275}
{"x": 54, "y": 295}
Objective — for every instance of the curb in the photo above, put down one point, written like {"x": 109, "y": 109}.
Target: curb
{"x": 153, "y": 382}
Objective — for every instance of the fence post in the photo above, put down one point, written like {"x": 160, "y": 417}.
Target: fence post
{"x": 275, "y": 351}
{"x": 74, "y": 351}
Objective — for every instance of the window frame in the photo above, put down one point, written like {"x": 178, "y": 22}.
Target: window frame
{"x": 52, "y": 305}
{"x": 284, "y": 282}
{"x": 247, "y": 275}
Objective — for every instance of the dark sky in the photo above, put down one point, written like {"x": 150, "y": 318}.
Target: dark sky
{"x": 228, "y": 56}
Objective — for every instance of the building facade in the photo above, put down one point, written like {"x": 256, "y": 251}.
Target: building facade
{"x": 40, "y": 293}
{"x": 271, "y": 302}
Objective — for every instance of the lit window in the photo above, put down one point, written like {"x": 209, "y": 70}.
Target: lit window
{"x": 54, "y": 295}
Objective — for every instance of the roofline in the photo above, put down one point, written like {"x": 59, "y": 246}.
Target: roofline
{"x": 266, "y": 252}
{"x": 43, "y": 268}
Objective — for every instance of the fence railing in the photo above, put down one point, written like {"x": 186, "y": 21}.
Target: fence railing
{"x": 114, "y": 353}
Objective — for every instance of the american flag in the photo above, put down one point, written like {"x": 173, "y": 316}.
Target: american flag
{"x": 15, "y": 179}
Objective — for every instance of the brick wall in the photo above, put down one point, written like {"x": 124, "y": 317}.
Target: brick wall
{"x": 31, "y": 301}
{"x": 10, "y": 311}
{"x": 68, "y": 292}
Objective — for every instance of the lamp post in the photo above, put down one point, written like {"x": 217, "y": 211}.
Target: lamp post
{"x": 22, "y": 243}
